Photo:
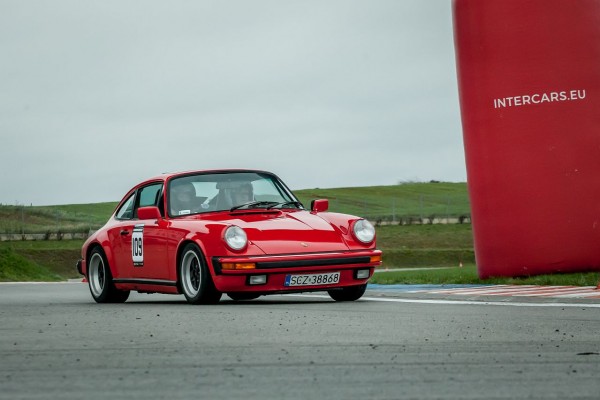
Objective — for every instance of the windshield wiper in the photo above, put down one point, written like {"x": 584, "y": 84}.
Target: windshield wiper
{"x": 252, "y": 204}
{"x": 281, "y": 205}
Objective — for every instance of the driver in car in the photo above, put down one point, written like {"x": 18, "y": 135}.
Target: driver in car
{"x": 183, "y": 198}
{"x": 242, "y": 194}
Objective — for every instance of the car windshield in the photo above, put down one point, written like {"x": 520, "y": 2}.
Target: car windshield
{"x": 209, "y": 192}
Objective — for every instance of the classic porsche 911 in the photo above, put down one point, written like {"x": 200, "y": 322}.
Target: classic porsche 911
{"x": 239, "y": 232}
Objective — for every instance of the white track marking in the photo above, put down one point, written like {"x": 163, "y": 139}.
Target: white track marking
{"x": 460, "y": 302}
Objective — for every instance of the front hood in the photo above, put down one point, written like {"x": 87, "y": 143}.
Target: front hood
{"x": 290, "y": 233}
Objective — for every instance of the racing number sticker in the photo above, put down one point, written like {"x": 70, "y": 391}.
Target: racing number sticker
{"x": 137, "y": 245}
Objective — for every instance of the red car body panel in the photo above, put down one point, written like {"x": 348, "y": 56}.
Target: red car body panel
{"x": 280, "y": 242}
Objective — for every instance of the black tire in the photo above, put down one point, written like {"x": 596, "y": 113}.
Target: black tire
{"x": 239, "y": 296}
{"x": 100, "y": 280}
{"x": 351, "y": 293}
{"x": 194, "y": 277}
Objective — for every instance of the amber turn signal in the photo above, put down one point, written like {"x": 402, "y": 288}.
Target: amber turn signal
{"x": 375, "y": 259}
{"x": 234, "y": 266}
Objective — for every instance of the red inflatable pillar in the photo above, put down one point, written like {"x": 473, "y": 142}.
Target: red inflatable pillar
{"x": 529, "y": 84}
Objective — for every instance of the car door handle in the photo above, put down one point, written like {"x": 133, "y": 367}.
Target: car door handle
{"x": 124, "y": 232}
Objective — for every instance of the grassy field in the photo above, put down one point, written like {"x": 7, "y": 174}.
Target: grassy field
{"x": 15, "y": 267}
{"x": 395, "y": 203}
{"x": 51, "y": 260}
{"x": 404, "y": 246}
{"x": 65, "y": 218}
{"x": 408, "y": 246}
{"x": 408, "y": 201}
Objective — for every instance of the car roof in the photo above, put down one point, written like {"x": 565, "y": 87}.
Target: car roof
{"x": 168, "y": 175}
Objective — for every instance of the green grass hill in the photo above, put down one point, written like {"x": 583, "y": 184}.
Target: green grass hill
{"x": 394, "y": 208}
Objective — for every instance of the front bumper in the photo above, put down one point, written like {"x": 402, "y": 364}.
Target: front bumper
{"x": 275, "y": 269}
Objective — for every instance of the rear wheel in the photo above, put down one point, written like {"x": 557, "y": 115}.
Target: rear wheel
{"x": 348, "y": 293}
{"x": 194, "y": 278}
{"x": 100, "y": 281}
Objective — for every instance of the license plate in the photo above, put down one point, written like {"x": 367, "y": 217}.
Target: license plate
{"x": 312, "y": 279}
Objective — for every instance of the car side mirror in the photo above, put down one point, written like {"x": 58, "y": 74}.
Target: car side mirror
{"x": 149, "y": 213}
{"x": 320, "y": 205}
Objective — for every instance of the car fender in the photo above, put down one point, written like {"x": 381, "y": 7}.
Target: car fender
{"x": 104, "y": 244}
{"x": 211, "y": 243}
{"x": 205, "y": 243}
{"x": 343, "y": 224}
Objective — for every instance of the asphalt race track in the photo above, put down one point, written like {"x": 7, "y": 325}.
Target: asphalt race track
{"x": 56, "y": 343}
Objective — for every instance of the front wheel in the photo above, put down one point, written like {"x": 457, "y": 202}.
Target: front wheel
{"x": 348, "y": 293}
{"x": 100, "y": 281}
{"x": 195, "y": 280}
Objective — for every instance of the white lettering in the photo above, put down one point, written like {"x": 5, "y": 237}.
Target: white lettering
{"x": 537, "y": 98}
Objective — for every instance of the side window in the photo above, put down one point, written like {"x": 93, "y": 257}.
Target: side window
{"x": 126, "y": 210}
{"x": 149, "y": 196}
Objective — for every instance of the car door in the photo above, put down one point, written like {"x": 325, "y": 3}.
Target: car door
{"x": 148, "y": 238}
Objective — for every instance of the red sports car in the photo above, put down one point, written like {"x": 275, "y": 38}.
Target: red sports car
{"x": 239, "y": 232}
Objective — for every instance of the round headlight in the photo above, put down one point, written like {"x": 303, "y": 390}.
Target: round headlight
{"x": 364, "y": 231}
{"x": 235, "y": 237}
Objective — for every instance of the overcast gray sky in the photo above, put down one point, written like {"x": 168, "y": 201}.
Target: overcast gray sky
{"x": 96, "y": 96}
